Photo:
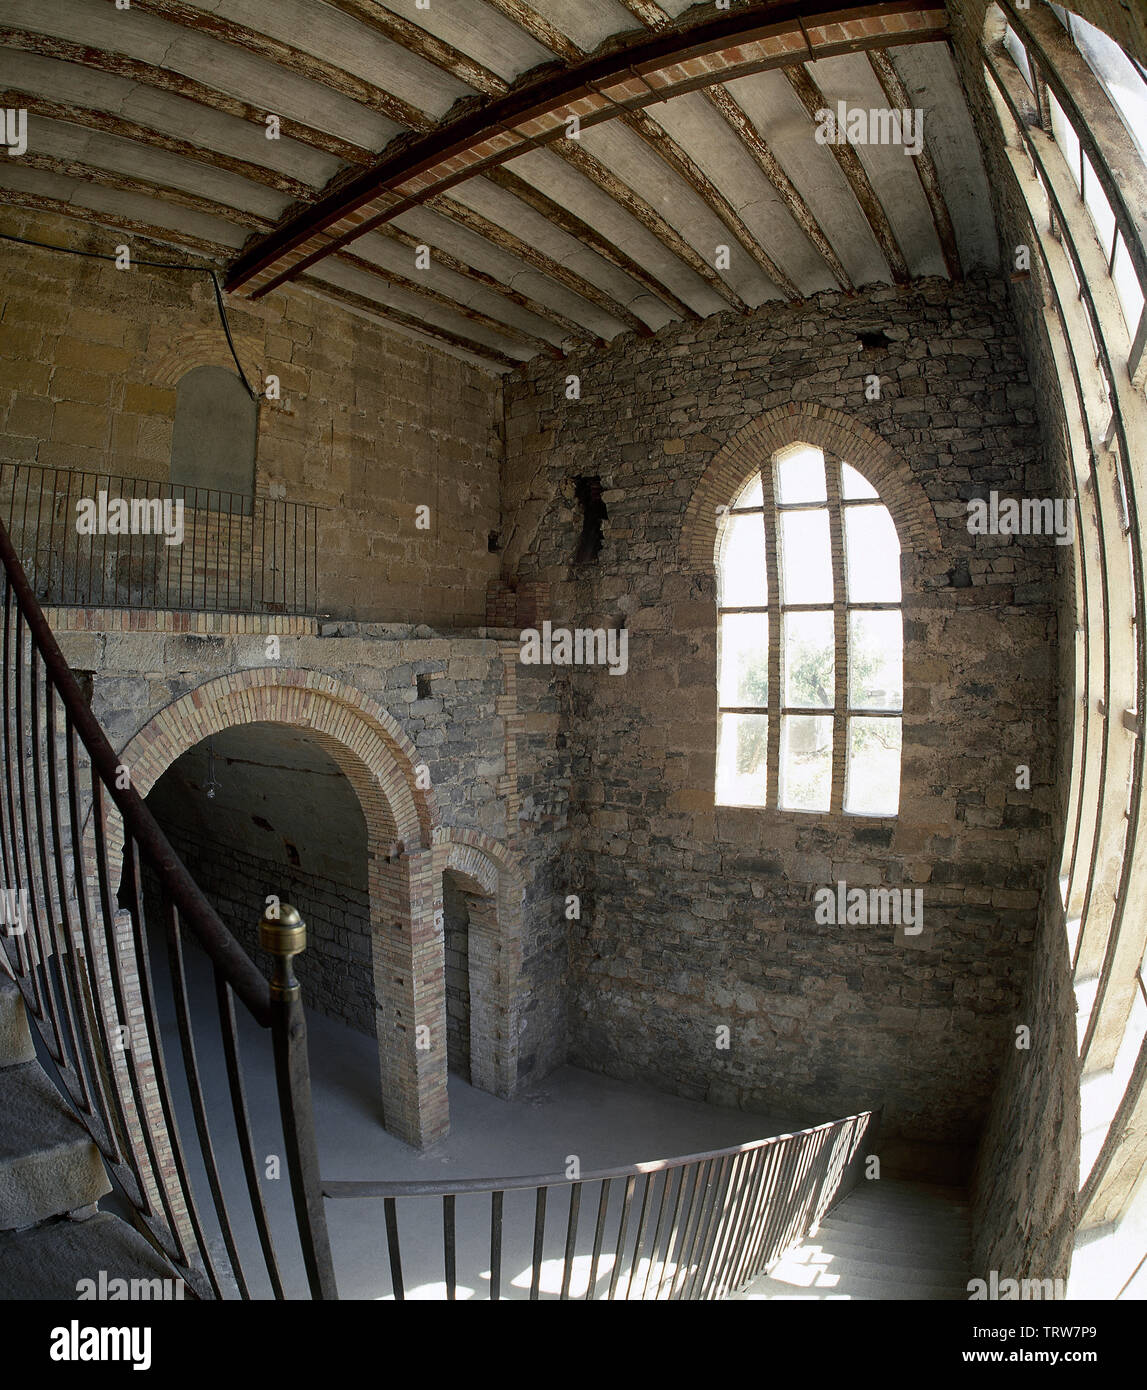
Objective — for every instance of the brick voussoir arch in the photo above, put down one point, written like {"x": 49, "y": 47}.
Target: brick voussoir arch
{"x": 490, "y": 872}
{"x": 461, "y": 840}
{"x": 368, "y": 743}
{"x": 826, "y": 428}
{"x": 204, "y": 348}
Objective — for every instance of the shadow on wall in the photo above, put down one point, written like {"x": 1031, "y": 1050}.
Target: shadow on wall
{"x": 262, "y": 809}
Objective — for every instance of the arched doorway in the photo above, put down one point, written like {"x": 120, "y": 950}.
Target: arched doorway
{"x": 263, "y": 810}
{"x": 482, "y": 929}
{"x": 403, "y": 882}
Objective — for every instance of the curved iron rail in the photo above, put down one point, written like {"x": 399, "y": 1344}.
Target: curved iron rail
{"x": 707, "y": 1223}
{"x": 80, "y": 951}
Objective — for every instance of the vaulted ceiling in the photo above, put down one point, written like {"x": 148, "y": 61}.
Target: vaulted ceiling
{"x": 448, "y": 127}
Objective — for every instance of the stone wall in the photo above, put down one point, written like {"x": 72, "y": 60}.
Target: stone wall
{"x": 457, "y": 948}
{"x": 701, "y": 916}
{"x": 335, "y": 969}
{"x": 464, "y": 731}
{"x": 370, "y": 424}
{"x": 1027, "y": 1169}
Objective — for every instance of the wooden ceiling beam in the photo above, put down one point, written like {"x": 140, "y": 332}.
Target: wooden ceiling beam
{"x": 107, "y": 178}
{"x": 123, "y": 183}
{"x": 651, "y": 15}
{"x": 423, "y": 43}
{"x": 813, "y": 100}
{"x": 722, "y": 100}
{"x": 572, "y": 224}
{"x": 516, "y": 246}
{"x": 433, "y": 296}
{"x": 289, "y": 58}
{"x": 626, "y": 75}
{"x": 663, "y": 144}
{"x": 897, "y": 95}
{"x": 591, "y": 167}
{"x": 539, "y": 28}
{"x": 37, "y": 202}
{"x": 387, "y": 314}
{"x": 573, "y": 330}
{"x": 654, "y": 18}
{"x": 575, "y": 154}
{"x": 174, "y": 83}
{"x": 111, "y": 124}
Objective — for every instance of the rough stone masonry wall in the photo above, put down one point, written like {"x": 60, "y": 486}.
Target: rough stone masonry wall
{"x": 335, "y": 970}
{"x": 1027, "y": 1170}
{"x": 461, "y": 733}
{"x": 702, "y": 915}
{"x": 370, "y": 426}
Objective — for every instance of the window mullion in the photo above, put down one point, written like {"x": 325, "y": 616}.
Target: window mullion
{"x": 832, "y": 478}
{"x": 776, "y": 694}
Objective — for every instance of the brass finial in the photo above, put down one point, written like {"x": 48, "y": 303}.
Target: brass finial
{"x": 283, "y": 933}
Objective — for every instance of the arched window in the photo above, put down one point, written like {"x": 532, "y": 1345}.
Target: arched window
{"x": 213, "y": 441}
{"x": 810, "y": 641}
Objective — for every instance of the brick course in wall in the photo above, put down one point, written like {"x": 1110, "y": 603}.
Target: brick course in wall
{"x": 159, "y": 691}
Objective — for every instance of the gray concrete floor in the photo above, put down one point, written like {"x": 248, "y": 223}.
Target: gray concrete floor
{"x": 572, "y": 1112}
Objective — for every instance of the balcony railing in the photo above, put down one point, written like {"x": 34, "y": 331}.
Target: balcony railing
{"x": 698, "y": 1227}
{"x": 92, "y": 893}
{"x": 98, "y": 540}
{"x": 78, "y": 849}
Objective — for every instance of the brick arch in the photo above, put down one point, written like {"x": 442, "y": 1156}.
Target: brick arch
{"x": 367, "y": 743}
{"x": 379, "y": 761}
{"x": 206, "y": 347}
{"x": 492, "y": 883}
{"x": 827, "y": 428}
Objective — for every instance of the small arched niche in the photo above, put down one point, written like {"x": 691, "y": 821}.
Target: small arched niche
{"x": 213, "y": 441}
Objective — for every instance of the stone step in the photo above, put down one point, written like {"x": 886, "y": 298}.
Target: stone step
{"x": 50, "y": 1261}
{"x": 881, "y": 1197}
{"x": 48, "y": 1164}
{"x": 934, "y": 1254}
{"x": 15, "y": 1040}
{"x": 850, "y": 1270}
{"x": 896, "y": 1241}
{"x": 894, "y": 1236}
{"x": 886, "y": 1210}
{"x": 868, "y": 1290}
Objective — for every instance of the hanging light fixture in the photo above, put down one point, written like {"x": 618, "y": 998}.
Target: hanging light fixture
{"x": 211, "y": 786}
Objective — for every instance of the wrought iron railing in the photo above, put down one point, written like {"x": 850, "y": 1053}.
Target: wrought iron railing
{"x": 698, "y": 1227}
{"x": 98, "y": 540}
{"x": 93, "y": 893}
{"x": 80, "y": 852}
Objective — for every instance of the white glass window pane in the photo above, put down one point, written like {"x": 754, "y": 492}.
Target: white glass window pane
{"x": 1127, "y": 288}
{"x": 872, "y": 779}
{"x": 1120, "y": 77}
{"x": 854, "y": 485}
{"x": 741, "y": 578}
{"x": 1065, "y": 137}
{"x": 872, "y": 555}
{"x": 1019, "y": 54}
{"x": 806, "y": 557}
{"x": 875, "y": 661}
{"x": 751, "y": 495}
{"x": 806, "y": 762}
{"x": 800, "y": 475}
{"x": 742, "y": 752}
{"x": 809, "y": 658}
{"x": 1098, "y": 206}
{"x": 743, "y": 660}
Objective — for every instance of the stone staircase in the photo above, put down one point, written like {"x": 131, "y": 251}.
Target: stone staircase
{"x": 51, "y": 1177}
{"x": 887, "y": 1240}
